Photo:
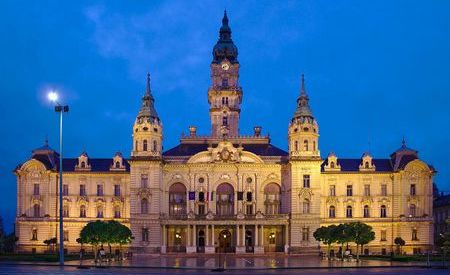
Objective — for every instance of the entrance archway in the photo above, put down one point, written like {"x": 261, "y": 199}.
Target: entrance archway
{"x": 248, "y": 241}
{"x": 225, "y": 242}
{"x": 201, "y": 241}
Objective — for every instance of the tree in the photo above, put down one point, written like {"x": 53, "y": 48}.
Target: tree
{"x": 100, "y": 232}
{"x": 50, "y": 243}
{"x": 361, "y": 234}
{"x": 325, "y": 234}
{"x": 342, "y": 234}
{"x": 400, "y": 243}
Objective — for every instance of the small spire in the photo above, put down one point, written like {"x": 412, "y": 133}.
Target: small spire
{"x": 403, "y": 142}
{"x": 147, "y": 90}
{"x": 303, "y": 90}
{"x": 225, "y": 18}
{"x": 46, "y": 141}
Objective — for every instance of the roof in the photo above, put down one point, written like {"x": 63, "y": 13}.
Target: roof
{"x": 192, "y": 149}
{"x": 96, "y": 164}
{"x": 352, "y": 165}
{"x": 441, "y": 201}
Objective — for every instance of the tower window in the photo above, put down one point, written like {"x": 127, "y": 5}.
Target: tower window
{"x": 144, "y": 145}
{"x": 296, "y": 145}
{"x": 412, "y": 190}
{"x": 314, "y": 146}
{"x": 305, "y": 145}
{"x": 155, "y": 146}
{"x": 225, "y": 101}
{"x": 225, "y": 82}
{"x": 349, "y": 190}
{"x": 136, "y": 145}
{"x": 225, "y": 121}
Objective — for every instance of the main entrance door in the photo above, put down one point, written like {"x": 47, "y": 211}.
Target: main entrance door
{"x": 225, "y": 242}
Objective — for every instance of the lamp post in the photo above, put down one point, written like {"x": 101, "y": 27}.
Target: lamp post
{"x": 53, "y": 96}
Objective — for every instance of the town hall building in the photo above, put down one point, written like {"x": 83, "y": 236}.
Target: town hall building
{"x": 226, "y": 192}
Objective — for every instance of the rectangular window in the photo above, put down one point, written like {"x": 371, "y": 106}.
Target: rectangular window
{"x": 65, "y": 211}
{"x": 249, "y": 209}
{"x": 305, "y": 234}
{"x": 383, "y": 190}
{"x": 99, "y": 189}
{"x": 145, "y": 234}
{"x": 99, "y": 212}
{"x": 332, "y": 190}
{"x": 117, "y": 190}
{"x": 366, "y": 190}
{"x": 117, "y": 213}
{"x": 65, "y": 189}
{"x": 306, "y": 181}
{"x": 144, "y": 181}
{"x": 82, "y": 190}
{"x": 349, "y": 190}
{"x": 201, "y": 196}
{"x": 414, "y": 235}
{"x": 412, "y": 190}
{"x": 383, "y": 235}
{"x": 249, "y": 196}
{"x": 66, "y": 235}
{"x": 36, "y": 189}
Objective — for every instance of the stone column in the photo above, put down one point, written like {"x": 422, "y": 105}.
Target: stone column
{"x": 256, "y": 242}
{"x": 210, "y": 248}
{"x": 164, "y": 240}
{"x": 259, "y": 248}
{"x": 286, "y": 238}
{"x": 243, "y": 235}
{"x": 194, "y": 236}
{"x": 262, "y": 235}
{"x": 190, "y": 248}
{"x": 240, "y": 248}
{"x": 207, "y": 235}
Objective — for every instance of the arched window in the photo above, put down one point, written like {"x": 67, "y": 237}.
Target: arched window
{"x": 306, "y": 206}
{"x": 225, "y": 200}
{"x": 155, "y": 146}
{"x": 366, "y": 211}
{"x": 366, "y": 165}
{"x": 383, "y": 211}
{"x": 144, "y": 206}
{"x": 314, "y": 146}
{"x": 136, "y": 145}
{"x": 66, "y": 211}
{"x": 177, "y": 199}
{"x": 36, "y": 210}
{"x": 83, "y": 211}
{"x": 349, "y": 212}
{"x": 305, "y": 145}
{"x": 412, "y": 210}
{"x": 144, "y": 145}
{"x": 83, "y": 164}
{"x": 100, "y": 211}
{"x": 272, "y": 193}
{"x": 296, "y": 145}
{"x": 145, "y": 234}
{"x": 225, "y": 121}
{"x": 332, "y": 212}
{"x": 117, "y": 164}
{"x": 332, "y": 164}
{"x": 117, "y": 212}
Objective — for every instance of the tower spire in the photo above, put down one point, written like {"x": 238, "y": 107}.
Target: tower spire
{"x": 225, "y": 47}
{"x": 148, "y": 110}
{"x": 303, "y": 109}
{"x": 225, "y": 18}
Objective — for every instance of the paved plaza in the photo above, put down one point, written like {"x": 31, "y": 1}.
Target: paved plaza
{"x": 36, "y": 269}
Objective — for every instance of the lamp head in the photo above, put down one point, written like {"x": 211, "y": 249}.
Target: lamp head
{"x": 52, "y": 96}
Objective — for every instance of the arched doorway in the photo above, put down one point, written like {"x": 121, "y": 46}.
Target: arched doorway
{"x": 225, "y": 242}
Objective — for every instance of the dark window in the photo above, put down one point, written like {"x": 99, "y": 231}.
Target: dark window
{"x": 412, "y": 210}
{"x": 144, "y": 145}
{"x": 366, "y": 165}
{"x": 145, "y": 234}
{"x": 144, "y": 181}
{"x": 66, "y": 235}
{"x": 34, "y": 235}
{"x": 99, "y": 190}
{"x": 412, "y": 190}
{"x": 83, "y": 164}
{"x": 383, "y": 211}
{"x": 201, "y": 209}
{"x": 249, "y": 196}
{"x": 155, "y": 146}
{"x": 117, "y": 164}
{"x": 65, "y": 189}
{"x": 82, "y": 211}
{"x": 383, "y": 235}
{"x": 305, "y": 234}
{"x": 117, "y": 190}
{"x": 82, "y": 190}
{"x": 144, "y": 206}
{"x": 332, "y": 190}
{"x": 414, "y": 235}
{"x": 366, "y": 211}
{"x": 36, "y": 189}
{"x": 225, "y": 82}
{"x": 367, "y": 190}
{"x": 225, "y": 121}
{"x": 332, "y": 164}
{"x": 305, "y": 145}
{"x": 306, "y": 181}
{"x": 36, "y": 210}
{"x": 332, "y": 212}
{"x": 249, "y": 209}
{"x": 201, "y": 196}
{"x": 349, "y": 212}
{"x": 65, "y": 211}
{"x": 117, "y": 212}
{"x": 349, "y": 190}
{"x": 99, "y": 212}
{"x": 383, "y": 190}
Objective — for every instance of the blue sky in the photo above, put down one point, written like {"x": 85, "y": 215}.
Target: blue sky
{"x": 375, "y": 71}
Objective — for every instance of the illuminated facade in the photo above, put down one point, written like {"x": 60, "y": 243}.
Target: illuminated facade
{"x": 226, "y": 192}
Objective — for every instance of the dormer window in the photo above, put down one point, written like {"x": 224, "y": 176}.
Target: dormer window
{"x": 332, "y": 165}
{"x": 117, "y": 162}
{"x": 117, "y": 165}
{"x": 366, "y": 165}
{"x": 296, "y": 145}
{"x": 83, "y": 164}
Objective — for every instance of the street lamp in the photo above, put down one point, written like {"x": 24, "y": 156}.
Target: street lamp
{"x": 53, "y": 97}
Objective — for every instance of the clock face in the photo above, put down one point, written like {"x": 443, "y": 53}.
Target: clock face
{"x": 225, "y": 66}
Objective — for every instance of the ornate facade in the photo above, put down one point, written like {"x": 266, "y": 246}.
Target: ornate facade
{"x": 226, "y": 192}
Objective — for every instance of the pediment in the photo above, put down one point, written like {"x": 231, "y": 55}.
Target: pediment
{"x": 225, "y": 152}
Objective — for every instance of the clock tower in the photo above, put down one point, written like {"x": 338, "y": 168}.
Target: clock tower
{"x": 225, "y": 94}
